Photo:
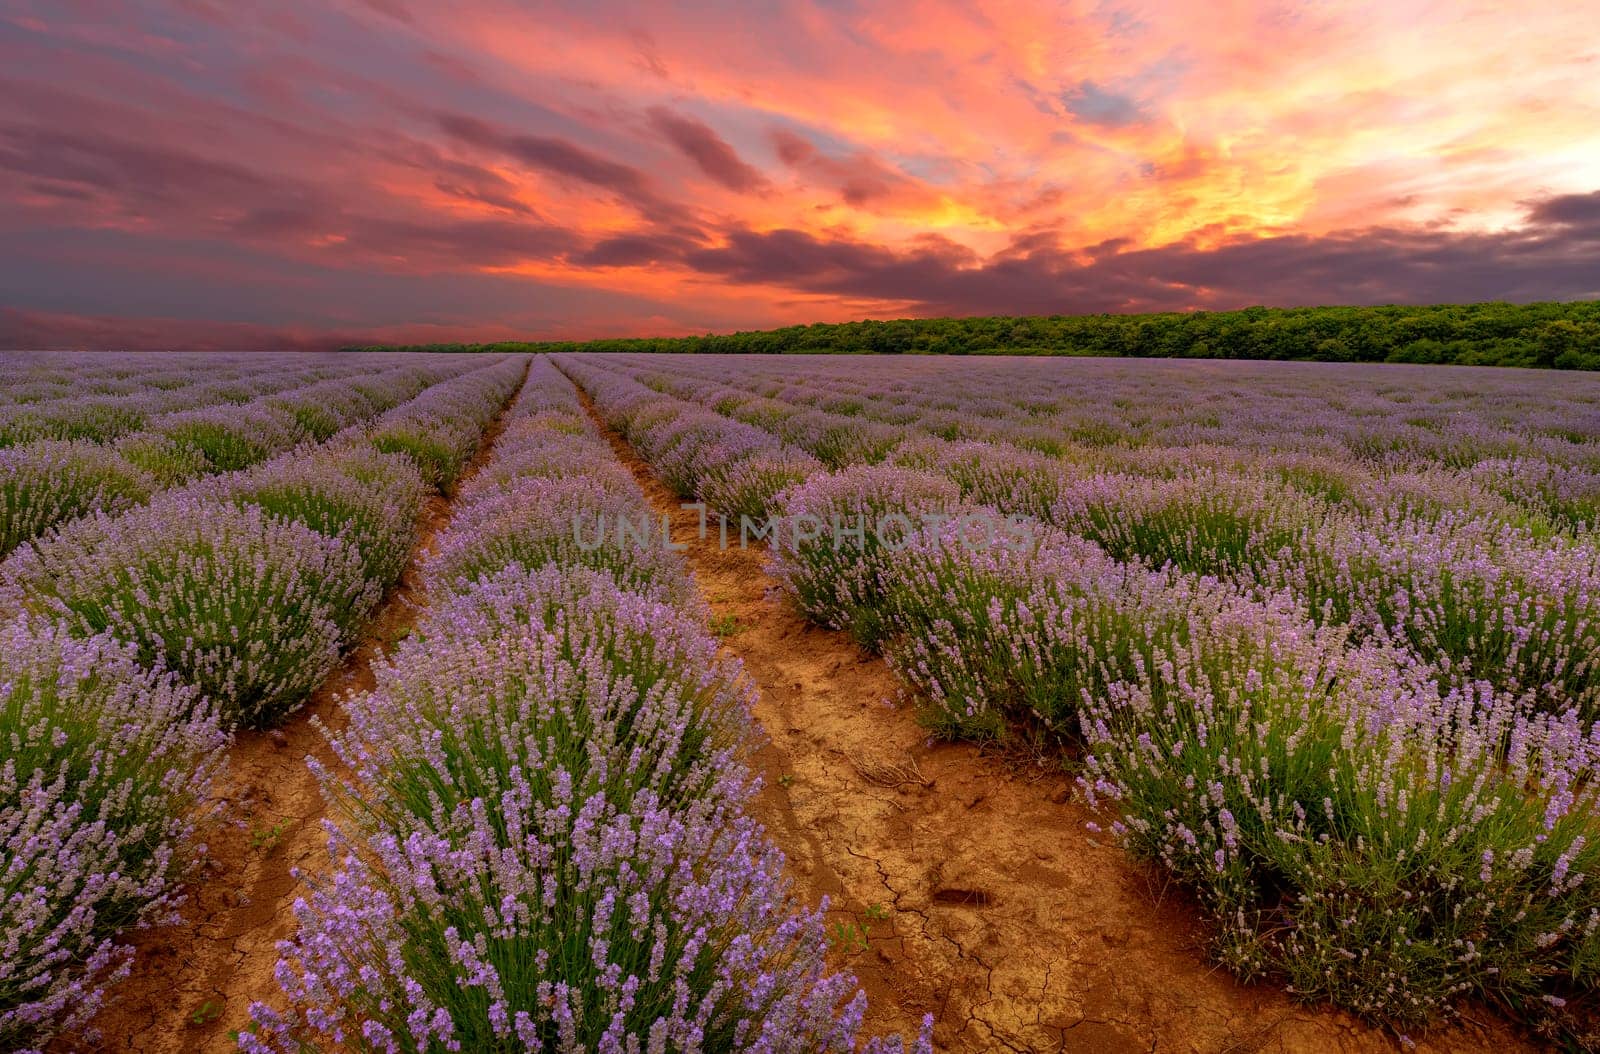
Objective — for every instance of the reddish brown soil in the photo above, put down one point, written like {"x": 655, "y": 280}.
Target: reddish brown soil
{"x": 983, "y": 898}
{"x": 193, "y": 982}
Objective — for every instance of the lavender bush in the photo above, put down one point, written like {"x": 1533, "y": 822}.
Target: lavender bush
{"x": 1570, "y": 495}
{"x": 535, "y": 448}
{"x": 441, "y": 428}
{"x": 106, "y": 767}
{"x": 162, "y": 458}
{"x": 545, "y": 839}
{"x": 231, "y": 438}
{"x": 1383, "y": 844}
{"x": 989, "y": 637}
{"x": 1478, "y": 600}
{"x": 1208, "y": 523}
{"x": 683, "y": 451}
{"x": 90, "y": 419}
{"x": 594, "y": 926}
{"x": 244, "y": 605}
{"x": 748, "y": 486}
{"x": 837, "y": 536}
{"x": 43, "y": 484}
{"x": 324, "y": 409}
{"x": 545, "y": 670}
{"x": 1015, "y": 481}
{"x": 575, "y": 521}
{"x": 367, "y": 499}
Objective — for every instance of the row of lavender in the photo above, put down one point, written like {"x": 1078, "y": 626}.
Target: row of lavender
{"x": 1379, "y": 413}
{"x": 1387, "y": 833}
{"x": 1481, "y": 588}
{"x": 544, "y": 842}
{"x": 44, "y": 382}
{"x": 146, "y": 392}
{"x": 1458, "y": 437}
{"x": 134, "y": 642}
{"x": 52, "y": 480}
{"x": 248, "y": 582}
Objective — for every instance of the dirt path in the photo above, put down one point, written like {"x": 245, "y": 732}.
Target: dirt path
{"x": 982, "y": 897}
{"x": 193, "y": 983}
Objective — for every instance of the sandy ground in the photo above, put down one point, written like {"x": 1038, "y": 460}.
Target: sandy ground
{"x": 193, "y": 983}
{"x": 970, "y": 885}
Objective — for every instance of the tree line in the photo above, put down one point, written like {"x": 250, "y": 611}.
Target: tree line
{"x": 1548, "y": 335}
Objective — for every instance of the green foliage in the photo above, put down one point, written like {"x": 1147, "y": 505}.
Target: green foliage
{"x": 436, "y": 457}
{"x": 166, "y": 461}
{"x": 243, "y": 605}
{"x": 1548, "y": 335}
{"x": 226, "y": 446}
{"x": 266, "y": 839}
{"x": 848, "y": 937}
{"x": 49, "y": 482}
{"x": 368, "y": 498}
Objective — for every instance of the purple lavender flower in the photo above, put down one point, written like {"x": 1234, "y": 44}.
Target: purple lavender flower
{"x": 107, "y": 766}
{"x": 837, "y": 534}
{"x": 242, "y": 604}
{"x": 46, "y": 483}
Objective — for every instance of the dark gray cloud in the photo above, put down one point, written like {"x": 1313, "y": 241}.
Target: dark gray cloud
{"x": 153, "y": 181}
{"x": 556, "y": 156}
{"x": 860, "y": 179}
{"x": 1554, "y": 256}
{"x": 634, "y": 250}
{"x": 1096, "y": 104}
{"x": 143, "y": 174}
{"x": 567, "y": 160}
{"x": 394, "y": 9}
{"x": 448, "y": 244}
{"x": 1571, "y": 210}
{"x": 710, "y": 153}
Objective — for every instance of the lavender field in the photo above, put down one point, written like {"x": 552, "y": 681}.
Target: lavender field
{"x": 1322, "y": 642}
{"x": 1318, "y": 646}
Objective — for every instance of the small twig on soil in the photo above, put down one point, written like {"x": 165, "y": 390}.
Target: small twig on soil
{"x": 887, "y": 773}
{"x": 1254, "y": 1039}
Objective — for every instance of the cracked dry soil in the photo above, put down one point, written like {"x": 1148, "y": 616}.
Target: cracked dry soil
{"x": 983, "y": 898}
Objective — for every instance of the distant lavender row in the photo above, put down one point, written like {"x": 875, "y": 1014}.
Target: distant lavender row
{"x": 1369, "y": 747}
{"x": 51, "y": 481}
{"x": 440, "y": 429}
{"x": 143, "y": 391}
{"x": 1373, "y": 412}
{"x": 544, "y": 843}
{"x": 41, "y": 379}
{"x": 1518, "y": 435}
{"x": 1434, "y": 560}
{"x": 737, "y": 468}
{"x": 246, "y": 586}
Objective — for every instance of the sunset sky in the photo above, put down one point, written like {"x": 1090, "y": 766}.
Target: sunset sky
{"x": 215, "y": 173}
